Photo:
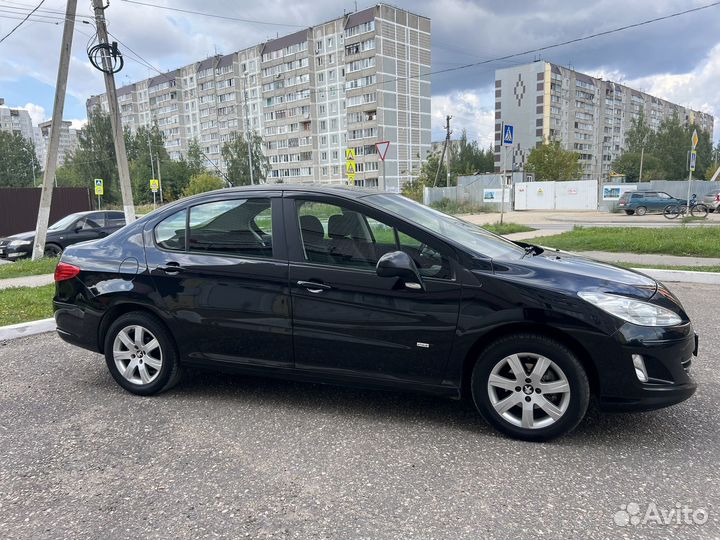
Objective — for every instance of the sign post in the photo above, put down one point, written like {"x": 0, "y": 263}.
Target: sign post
{"x": 508, "y": 134}
{"x": 99, "y": 190}
{"x": 693, "y": 156}
{"x": 382, "y": 148}
{"x": 154, "y": 187}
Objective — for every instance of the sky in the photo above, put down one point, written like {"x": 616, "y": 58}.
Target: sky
{"x": 677, "y": 59}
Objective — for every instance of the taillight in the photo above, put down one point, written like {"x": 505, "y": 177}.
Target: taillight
{"x": 64, "y": 271}
{"x": 717, "y": 197}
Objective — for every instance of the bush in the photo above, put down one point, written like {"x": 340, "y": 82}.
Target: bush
{"x": 450, "y": 206}
{"x": 202, "y": 183}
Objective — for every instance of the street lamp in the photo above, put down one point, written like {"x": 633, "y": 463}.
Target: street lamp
{"x": 246, "y": 112}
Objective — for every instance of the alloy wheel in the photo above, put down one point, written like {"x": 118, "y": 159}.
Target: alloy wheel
{"x": 137, "y": 354}
{"x": 528, "y": 390}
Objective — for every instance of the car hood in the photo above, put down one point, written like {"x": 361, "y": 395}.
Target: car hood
{"x": 572, "y": 273}
{"x": 21, "y": 236}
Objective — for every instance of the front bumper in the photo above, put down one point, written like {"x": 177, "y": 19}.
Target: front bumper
{"x": 667, "y": 354}
{"x": 13, "y": 253}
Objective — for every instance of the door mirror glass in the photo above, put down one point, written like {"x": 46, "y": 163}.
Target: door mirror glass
{"x": 398, "y": 264}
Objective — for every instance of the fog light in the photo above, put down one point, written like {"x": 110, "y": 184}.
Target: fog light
{"x": 640, "y": 370}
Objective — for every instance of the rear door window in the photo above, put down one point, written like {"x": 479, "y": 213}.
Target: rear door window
{"x": 232, "y": 227}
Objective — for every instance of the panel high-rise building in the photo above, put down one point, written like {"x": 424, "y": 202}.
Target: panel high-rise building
{"x": 16, "y": 121}
{"x": 588, "y": 115}
{"x": 311, "y": 95}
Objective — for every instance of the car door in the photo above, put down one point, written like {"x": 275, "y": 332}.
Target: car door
{"x": 220, "y": 270}
{"x": 88, "y": 227}
{"x": 348, "y": 321}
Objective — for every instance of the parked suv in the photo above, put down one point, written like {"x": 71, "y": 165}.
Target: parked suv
{"x": 372, "y": 289}
{"x": 642, "y": 202}
{"x": 71, "y": 229}
{"x": 712, "y": 200}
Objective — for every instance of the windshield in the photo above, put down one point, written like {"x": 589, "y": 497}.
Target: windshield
{"x": 472, "y": 237}
{"x": 63, "y": 224}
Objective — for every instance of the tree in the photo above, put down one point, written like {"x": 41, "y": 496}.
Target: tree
{"x": 19, "y": 165}
{"x": 202, "y": 183}
{"x": 665, "y": 150}
{"x": 467, "y": 158}
{"x": 93, "y": 158}
{"x": 714, "y": 163}
{"x": 235, "y": 154}
{"x": 550, "y": 161}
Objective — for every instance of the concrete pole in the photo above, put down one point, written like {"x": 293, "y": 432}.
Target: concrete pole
{"x": 118, "y": 136}
{"x": 54, "y": 142}
{"x": 246, "y": 113}
{"x": 642, "y": 154}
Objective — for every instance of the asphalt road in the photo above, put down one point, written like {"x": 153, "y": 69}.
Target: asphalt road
{"x": 238, "y": 457}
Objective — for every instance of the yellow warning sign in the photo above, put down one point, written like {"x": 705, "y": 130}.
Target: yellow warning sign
{"x": 350, "y": 154}
{"x": 154, "y": 185}
{"x": 350, "y": 165}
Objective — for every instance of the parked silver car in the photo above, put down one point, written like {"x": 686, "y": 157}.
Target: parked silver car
{"x": 712, "y": 200}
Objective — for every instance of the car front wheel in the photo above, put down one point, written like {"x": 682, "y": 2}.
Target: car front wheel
{"x": 140, "y": 354}
{"x": 530, "y": 387}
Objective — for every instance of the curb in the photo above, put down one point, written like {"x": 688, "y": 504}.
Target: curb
{"x": 31, "y": 328}
{"x": 27, "y": 281}
{"x": 681, "y": 276}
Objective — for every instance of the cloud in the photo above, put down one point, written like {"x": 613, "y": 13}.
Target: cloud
{"x": 78, "y": 123}
{"x": 37, "y": 113}
{"x": 470, "y": 111}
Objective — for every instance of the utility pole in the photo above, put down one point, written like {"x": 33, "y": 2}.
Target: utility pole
{"x": 159, "y": 178}
{"x": 54, "y": 142}
{"x": 118, "y": 136}
{"x": 246, "y": 112}
{"x": 642, "y": 154}
{"x": 444, "y": 150}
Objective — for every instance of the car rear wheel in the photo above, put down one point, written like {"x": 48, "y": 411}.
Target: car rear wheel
{"x": 140, "y": 354}
{"x": 53, "y": 250}
{"x": 530, "y": 387}
{"x": 641, "y": 210}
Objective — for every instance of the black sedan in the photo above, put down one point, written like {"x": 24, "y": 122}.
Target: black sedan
{"x": 73, "y": 228}
{"x": 372, "y": 289}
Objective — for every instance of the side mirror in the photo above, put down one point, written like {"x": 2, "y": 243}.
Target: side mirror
{"x": 398, "y": 264}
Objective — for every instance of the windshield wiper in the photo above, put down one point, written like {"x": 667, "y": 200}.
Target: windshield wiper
{"x": 529, "y": 250}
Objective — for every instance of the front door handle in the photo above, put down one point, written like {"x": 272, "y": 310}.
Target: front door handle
{"x": 170, "y": 268}
{"x": 314, "y": 286}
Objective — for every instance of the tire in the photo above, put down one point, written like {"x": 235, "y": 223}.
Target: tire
{"x": 53, "y": 250}
{"x": 672, "y": 211}
{"x": 563, "y": 371}
{"x": 120, "y": 352}
{"x": 641, "y": 211}
{"x": 629, "y": 212}
{"x": 699, "y": 211}
{"x": 711, "y": 209}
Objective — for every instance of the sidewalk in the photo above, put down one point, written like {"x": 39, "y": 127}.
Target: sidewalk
{"x": 26, "y": 281}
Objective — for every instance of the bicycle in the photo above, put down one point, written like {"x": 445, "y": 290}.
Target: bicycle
{"x": 698, "y": 210}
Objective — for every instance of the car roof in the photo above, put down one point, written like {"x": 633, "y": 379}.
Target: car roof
{"x": 343, "y": 190}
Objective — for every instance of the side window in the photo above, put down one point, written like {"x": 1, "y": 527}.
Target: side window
{"x": 663, "y": 195}
{"x": 231, "y": 227}
{"x": 637, "y": 196}
{"x": 339, "y": 236}
{"x": 170, "y": 232}
{"x": 96, "y": 220}
{"x": 430, "y": 262}
{"x": 87, "y": 224}
{"x": 115, "y": 219}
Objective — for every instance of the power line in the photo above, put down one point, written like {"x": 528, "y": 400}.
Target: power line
{"x": 10, "y": 33}
{"x": 214, "y": 15}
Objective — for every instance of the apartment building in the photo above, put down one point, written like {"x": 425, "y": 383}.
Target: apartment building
{"x": 16, "y": 121}
{"x": 588, "y": 115}
{"x": 344, "y": 84}
{"x": 68, "y": 141}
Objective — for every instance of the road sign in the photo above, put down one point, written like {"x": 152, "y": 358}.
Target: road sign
{"x": 382, "y": 148}
{"x": 154, "y": 185}
{"x": 693, "y": 160}
{"x": 99, "y": 188}
{"x": 350, "y": 165}
{"x": 695, "y": 139}
{"x": 508, "y": 133}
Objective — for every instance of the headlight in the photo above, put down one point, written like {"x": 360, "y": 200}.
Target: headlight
{"x": 18, "y": 243}
{"x": 630, "y": 310}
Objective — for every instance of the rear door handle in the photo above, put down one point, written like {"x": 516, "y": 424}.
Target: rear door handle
{"x": 170, "y": 268}
{"x": 314, "y": 286}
